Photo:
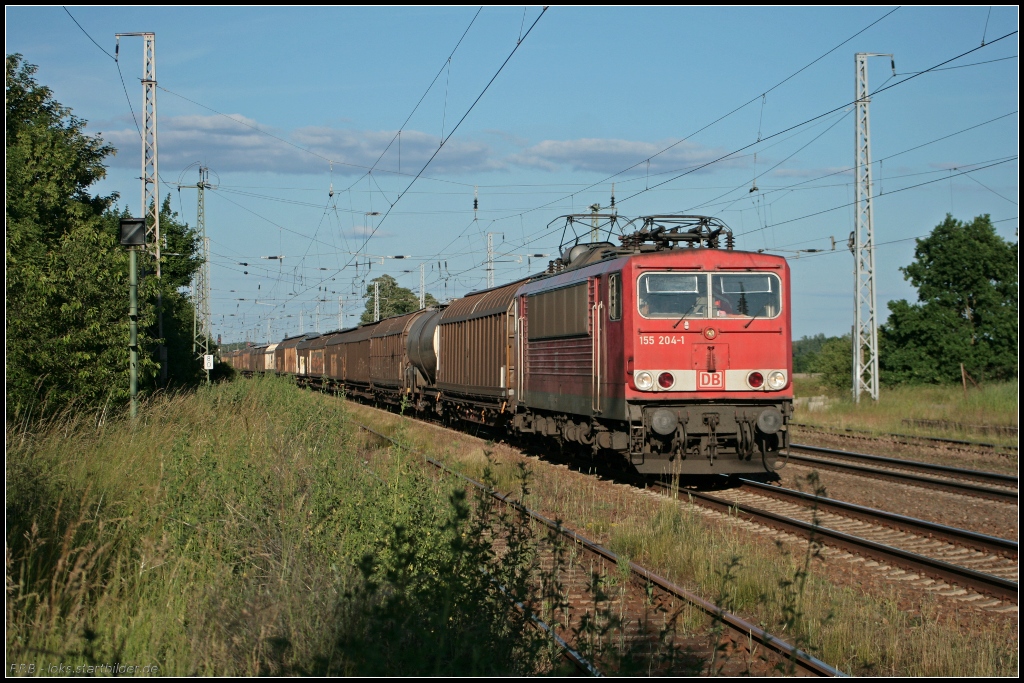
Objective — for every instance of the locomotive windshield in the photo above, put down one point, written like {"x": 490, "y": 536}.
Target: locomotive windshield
{"x": 685, "y": 295}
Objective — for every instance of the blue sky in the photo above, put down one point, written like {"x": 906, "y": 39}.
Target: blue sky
{"x": 286, "y": 104}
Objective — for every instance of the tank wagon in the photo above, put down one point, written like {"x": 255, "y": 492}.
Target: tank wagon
{"x": 671, "y": 349}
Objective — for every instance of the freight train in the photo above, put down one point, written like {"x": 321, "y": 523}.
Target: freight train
{"x": 672, "y": 349}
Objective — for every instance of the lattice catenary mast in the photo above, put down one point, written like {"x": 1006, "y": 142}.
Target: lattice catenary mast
{"x": 150, "y": 169}
{"x": 201, "y": 328}
{"x": 865, "y": 321}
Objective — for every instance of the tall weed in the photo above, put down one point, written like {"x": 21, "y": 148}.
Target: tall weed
{"x": 246, "y": 530}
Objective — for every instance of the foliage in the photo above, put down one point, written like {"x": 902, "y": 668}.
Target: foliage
{"x": 987, "y": 413}
{"x": 177, "y": 269}
{"x": 66, "y": 332}
{"x": 805, "y": 352}
{"x": 834, "y": 362}
{"x": 437, "y": 597}
{"x": 869, "y": 631}
{"x": 238, "y": 547}
{"x": 966, "y": 277}
{"x": 66, "y": 273}
{"x": 394, "y": 299}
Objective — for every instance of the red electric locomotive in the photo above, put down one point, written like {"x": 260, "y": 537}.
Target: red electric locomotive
{"x": 670, "y": 349}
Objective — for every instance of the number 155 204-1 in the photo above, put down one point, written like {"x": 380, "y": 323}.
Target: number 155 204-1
{"x": 655, "y": 339}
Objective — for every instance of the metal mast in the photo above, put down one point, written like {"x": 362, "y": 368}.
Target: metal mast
{"x": 422, "y": 291}
{"x": 595, "y": 234}
{"x": 490, "y": 258}
{"x": 865, "y": 321}
{"x": 150, "y": 170}
{"x": 376, "y": 300}
{"x": 201, "y": 328}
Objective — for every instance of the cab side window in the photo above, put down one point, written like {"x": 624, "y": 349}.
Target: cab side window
{"x": 615, "y": 296}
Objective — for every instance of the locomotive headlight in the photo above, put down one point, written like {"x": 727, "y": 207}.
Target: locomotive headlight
{"x": 664, "y": 422}
{"x": 770, "y": 420}
{"x": 776, "y": 380}
{"x": 644, "y": 381}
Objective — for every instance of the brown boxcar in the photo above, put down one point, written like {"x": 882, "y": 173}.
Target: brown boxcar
{"x": 255, "y": 362}
{"x": 243, "y": 359}
{"x": 316, "y": 355}
{"x": 357, "y": 354}
{"x": 335, "y": 355}
{"x": 388, "y": 358}
{"x": 476, "y": 336}
{"x": 237, "y": 361}
{"x": 302, "y": 354}
{"x": 284, "y": 355}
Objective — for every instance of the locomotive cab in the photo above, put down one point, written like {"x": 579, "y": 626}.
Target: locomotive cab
{"x": 708, "y": 360}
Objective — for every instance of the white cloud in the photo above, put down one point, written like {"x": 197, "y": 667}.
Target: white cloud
{"x": 243, "y": 144}
{"x": 601, "y": 155}
{"x": 227, "y": 145}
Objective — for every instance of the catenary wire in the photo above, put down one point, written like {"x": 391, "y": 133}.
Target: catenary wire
{"x": 116, "y": 63}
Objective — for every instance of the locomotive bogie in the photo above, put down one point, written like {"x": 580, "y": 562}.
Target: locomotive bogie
{"x": 711, "y": 438}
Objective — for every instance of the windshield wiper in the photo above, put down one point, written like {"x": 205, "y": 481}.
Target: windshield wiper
{"x": 753, "y": 316}
{"x": 686, "y": 314}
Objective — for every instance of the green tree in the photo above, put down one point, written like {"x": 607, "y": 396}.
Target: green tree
{"x": 835, "y": 363}
{"x": 966, "y": 280}
{"x": 805, "y": 352}
{"x": 66, "y": 331}
{"x": 66, "y": 273}
{"x": 394, "y": 299}
{"x": 179, "y": 261}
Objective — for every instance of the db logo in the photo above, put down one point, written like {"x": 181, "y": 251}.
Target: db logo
{"x": 710, "y": 380}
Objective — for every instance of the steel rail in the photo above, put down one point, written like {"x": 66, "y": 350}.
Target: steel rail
{"x": 961, "y": 537}
{"x": 868, "y": 434}
{"x": 568, "y": 651}
{"x": 806, "y": 661}
{"x": 903, "y": 477}
{"x": 981, "y": 475}
{"x": 968, "y": 578}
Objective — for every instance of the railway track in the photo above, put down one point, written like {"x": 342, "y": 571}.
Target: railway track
{"x": 904, "y": 438}
{"x": 941, "y": 558}
{"x": 645, "y": 595}
{"x": 991, "y": 485}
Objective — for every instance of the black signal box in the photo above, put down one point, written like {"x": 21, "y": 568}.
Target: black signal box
{"x": 133, "y": 232}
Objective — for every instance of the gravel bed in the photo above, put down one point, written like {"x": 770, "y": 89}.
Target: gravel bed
{"x": 992, "y": 517}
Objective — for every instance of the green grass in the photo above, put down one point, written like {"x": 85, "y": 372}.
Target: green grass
{"x": 991, "y": 404}
{"x": 251, "y": 529}
{"x": 862, "y": 631}
{"x": 246, "y": 529}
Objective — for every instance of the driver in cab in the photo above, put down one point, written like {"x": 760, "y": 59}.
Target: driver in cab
{"x": 724, "y": 306}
